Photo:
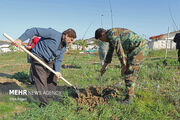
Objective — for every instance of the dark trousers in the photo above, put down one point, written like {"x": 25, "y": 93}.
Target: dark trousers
{"x": 179, "y": 55}
{"x": 31, "y": 75}
{"x": 45, "y": 81}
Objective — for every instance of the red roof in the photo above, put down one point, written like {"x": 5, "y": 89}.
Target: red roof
{"x": 155, "y": 37}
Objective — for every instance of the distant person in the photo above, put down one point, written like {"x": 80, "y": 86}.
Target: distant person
{"x": 50, "y": 49}
{"x": 103, "y": 48}
{"x": 131, "y": 50}
{"x": 177, "y": 41}
{"x": 32, "y": 42}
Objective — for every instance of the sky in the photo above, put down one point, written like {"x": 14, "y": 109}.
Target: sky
{"x": 145, "y": 17}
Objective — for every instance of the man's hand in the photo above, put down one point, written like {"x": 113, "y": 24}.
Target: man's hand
{"x": 58, "y": 75}
{"x": 123, "y": 70}
{"x": 17, "y": 43}
{"x": 103, "y": 69}
{"x": 28, "y": 48}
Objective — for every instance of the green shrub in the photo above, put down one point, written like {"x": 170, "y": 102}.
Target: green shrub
{"x": 21, "y": 76}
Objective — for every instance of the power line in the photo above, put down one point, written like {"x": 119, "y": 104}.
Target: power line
{"x": 173, "y": 19}
{"x": 86, "y": 31}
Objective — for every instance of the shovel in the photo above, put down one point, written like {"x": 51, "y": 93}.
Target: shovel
{"x": 100, "y": 79}
{"x": 37, "y": 59}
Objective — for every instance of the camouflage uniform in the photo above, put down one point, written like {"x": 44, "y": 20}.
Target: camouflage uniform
{"x": 131, "y": 50}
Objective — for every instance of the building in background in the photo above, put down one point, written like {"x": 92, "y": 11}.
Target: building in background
{"x": 159, "y": 41}
{"x": 4, "y": 46}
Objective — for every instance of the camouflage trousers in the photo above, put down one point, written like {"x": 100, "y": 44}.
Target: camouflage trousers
{"x": 131, "y": 73}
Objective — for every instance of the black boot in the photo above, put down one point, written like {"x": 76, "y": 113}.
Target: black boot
{"x": 42, "y": 105}
{"x": 127, "y": 100}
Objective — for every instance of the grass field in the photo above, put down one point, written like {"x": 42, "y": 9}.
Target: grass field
{"x": 157, "y": 90}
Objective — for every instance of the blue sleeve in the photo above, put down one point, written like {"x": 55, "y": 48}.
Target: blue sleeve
{"x": 40, "y": 32}
{"x": 58, "y": 59}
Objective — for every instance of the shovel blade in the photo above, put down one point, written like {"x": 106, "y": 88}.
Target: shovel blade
{"x": 76, "y": 91}
{"x": 165, "y": 63}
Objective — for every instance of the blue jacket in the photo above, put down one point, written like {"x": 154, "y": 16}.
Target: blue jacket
{"x": 49, "y": 47}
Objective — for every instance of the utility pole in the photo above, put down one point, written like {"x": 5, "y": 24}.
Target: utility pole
{"x": 165, "y": 61}
{"x": 167, "y": 43}
{"x": 111, "y": 13}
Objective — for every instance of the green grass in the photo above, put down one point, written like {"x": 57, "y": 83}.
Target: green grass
{"x": 9, "y": 106}
{"x": 157, "y": 90}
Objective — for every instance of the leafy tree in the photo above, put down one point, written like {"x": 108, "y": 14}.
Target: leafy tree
{"x": 81, "y": 43}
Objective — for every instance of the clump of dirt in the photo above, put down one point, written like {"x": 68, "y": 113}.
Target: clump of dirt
{"x": 93, "y": 96}
{"x": 66, "y": 66}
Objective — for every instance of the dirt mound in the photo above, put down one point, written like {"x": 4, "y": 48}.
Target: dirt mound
{"x": 8, "y": 81}
{"x": 92, "y": 96}
{"x": 5, "y": 87}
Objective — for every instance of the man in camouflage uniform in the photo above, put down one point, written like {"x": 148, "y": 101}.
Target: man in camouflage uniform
{"x": 131, "y": 50}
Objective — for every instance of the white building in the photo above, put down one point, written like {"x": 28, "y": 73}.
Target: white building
{"x": 159, "y": 41}
{"x": 4, "y": 46}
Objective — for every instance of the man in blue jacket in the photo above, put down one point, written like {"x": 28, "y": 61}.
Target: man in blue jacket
{"x": 50, "y": 49}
